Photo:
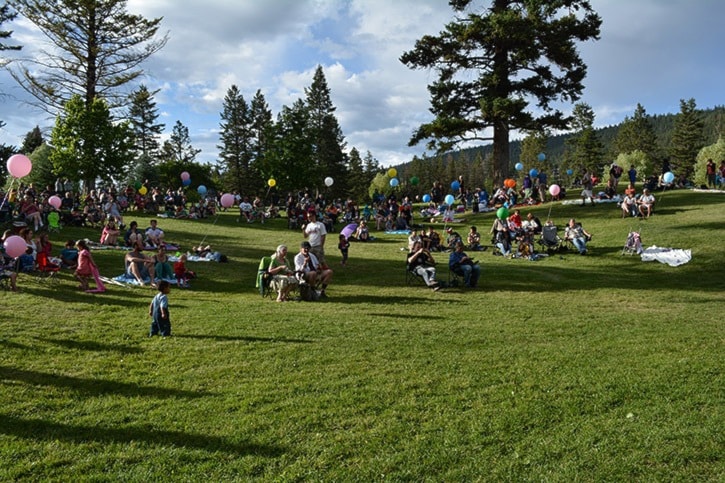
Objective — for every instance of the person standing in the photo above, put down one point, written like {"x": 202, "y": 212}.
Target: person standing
{"x": 711, "y": 174}
{"x": 159, "y": 311}
{"x": 315, "y": 232}
{"x": 632, "y": 173}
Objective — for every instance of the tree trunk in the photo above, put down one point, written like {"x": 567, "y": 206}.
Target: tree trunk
{"x": 500, "y": 153}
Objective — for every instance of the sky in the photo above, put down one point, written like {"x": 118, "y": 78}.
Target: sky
{"x": 652, "y": 52}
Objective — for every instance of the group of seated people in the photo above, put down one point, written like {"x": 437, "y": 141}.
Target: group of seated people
{"x": 633, "y": 205}
{"x": 421, "y": 263}
{"x": 152, "y": 237}
{"x": 307, "y": 269}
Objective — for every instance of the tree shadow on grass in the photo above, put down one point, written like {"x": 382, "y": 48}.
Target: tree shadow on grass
{"x": 224, "y": 338}
{"x": 386, "y": 300}
{"x": 88, "y": 345}
{"x": 14, "y": 345}
{"x": 42, "y": 430}
{"x": 94, "y": 387}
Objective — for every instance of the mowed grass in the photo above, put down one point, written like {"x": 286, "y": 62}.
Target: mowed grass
{"x": 595, "y": 368}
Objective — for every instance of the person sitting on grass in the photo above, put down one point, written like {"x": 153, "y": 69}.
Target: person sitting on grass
{"x": 139, "y": 266}
{"x": 109, "y": 235}
{"x": 69, "y": 255}
{"x": 473, "y": 239}
{"x": 460, "y": 263}
{"x": 161, "y": 264}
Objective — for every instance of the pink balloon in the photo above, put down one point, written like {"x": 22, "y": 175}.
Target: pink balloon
{"x": 15, "y": 246}
{"x": 227, "y": 200}
{"x": 19, "y": 165}
{"x": 54, "y": 201}
{"x": 185, "y": 176}
{"x": 554, "y": 189}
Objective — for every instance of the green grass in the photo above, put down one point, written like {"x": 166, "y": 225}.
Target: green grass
{"x": 596, "y": 368}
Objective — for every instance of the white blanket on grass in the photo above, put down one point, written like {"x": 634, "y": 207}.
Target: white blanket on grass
{"x": 671, "y": 256}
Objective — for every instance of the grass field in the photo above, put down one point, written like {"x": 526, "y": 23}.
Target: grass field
{"x": 570, "y": 368}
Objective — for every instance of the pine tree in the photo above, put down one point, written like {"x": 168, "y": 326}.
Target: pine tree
{"x": 687, "y": 139}
{"x": 585, "y": 148}
{"x": 490, "y": 64}
{"x": 235, "y": 150}
{"x": 6, "y": 15}
{"x": 32, "y": 141}
{"x": 98, "y": 48}
{"x": 178, "y": 148}
{"x": 328, "y": 143}
{"x": 291, "y": 156}
{"x": 142, "y": 115}
{"x": 261, "y": 132}
{"x": 637, "y": 133}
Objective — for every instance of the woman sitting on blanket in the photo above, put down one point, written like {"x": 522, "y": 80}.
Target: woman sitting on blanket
{"x": 163, "y": 268}
{"x": 139, "y": 266}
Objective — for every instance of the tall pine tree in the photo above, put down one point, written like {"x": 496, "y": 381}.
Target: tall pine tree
{"x": 687, "y": 139}
{"x": 235, "y": 149}
{"x": 637, "y": 133}
{"x": 142, "y": 115}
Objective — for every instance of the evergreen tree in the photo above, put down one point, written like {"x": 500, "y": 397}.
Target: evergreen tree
{"x": 235, "y": 150}
{"x": 637, "y": 133}
{"x": 178, "y": 148}
{"x": 531, "y": 146}
{"x": 490, "y": 64}
{"x": 42, "y": 173}
{"x": 687, "y": 139}
{"x": 291, "y": 156}
{"x": 6, "y": 15}
{"x": 585, "y": 148}
{"x": 357, "y": 180}
{"x": 261, "y": 131}
{"x": 33, "y": 140}
{"x": 328, "y": 143}
{"x": 98, "y": 47}
{"x": 142, "y": 115}
{"x": 88, "y": 144}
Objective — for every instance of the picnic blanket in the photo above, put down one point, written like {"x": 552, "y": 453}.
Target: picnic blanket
{"x": 397, "y": 232}
{"x": 671, "y": 256}
{"x": 126, "y": 279}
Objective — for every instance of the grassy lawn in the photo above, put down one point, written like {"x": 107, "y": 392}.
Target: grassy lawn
{"x": 570, "y": 368}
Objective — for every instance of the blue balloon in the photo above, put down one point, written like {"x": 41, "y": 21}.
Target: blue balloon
{"x": 186, "y": 182}
{"x": 669, "y": 177}
{"x": 534, "y": 173}
{"x": 455, "y": 186}
{"x": 394, "y": 182}
{"x": 569, "y": 172}
{"x": 519, "y": 166}
{"x": 449, "y": 199}
{"x": 201, "y": 189}
{"x": 426, "y": 198}
{"x": 542, "y": 157}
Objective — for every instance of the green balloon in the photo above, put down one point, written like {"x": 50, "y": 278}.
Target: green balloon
{"x": 137, "y": 185}
{"x": 414, "y": 180}
{"x": 502, "y": 213}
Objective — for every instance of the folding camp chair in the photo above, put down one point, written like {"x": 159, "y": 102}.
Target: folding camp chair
{"x": 45, "y": 270}
{"x": 550, "y": 239}
{"x": 54, "y": 222}
{"x": 264, "y": 278}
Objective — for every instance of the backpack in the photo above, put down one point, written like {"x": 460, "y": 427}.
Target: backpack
{"x": 308, "y": 293}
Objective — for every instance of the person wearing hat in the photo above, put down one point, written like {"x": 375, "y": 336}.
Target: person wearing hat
{"x": 310, "y": 270}
{"x": 315, "y": 232}
{"x": 452, "y": 237}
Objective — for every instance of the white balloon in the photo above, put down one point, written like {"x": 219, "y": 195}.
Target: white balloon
{"x": 329, "y": 181}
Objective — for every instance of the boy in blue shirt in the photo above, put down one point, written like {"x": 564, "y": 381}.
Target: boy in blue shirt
{"x": 159, "y": 311}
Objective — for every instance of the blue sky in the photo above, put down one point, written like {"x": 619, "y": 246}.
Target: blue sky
{"x": 654, "y": 52}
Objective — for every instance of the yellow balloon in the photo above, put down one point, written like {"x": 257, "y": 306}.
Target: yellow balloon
{"x": 142, "y": 190}
{"x": 271, "y": 182}
{"x": 392, "y": 173}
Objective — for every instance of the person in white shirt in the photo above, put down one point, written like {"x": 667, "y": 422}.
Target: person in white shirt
{"x": 315, "y": 232}
{"x": 245, "y": 210}
{"x": 310, "y": 270}
{"x": 646, "y": 202}
{"x": 154, "y": 235}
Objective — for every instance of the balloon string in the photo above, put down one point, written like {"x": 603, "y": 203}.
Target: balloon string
{"x": 7, "y": 194}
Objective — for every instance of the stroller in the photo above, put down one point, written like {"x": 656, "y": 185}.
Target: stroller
{"x": 633, "y": 245}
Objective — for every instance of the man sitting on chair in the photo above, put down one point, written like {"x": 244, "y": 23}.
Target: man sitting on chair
{"x": 310, "y": 270}
{"x": 462, "y": 264}
{"x": 646, "y": 202}
{"x": 421, "y": 263}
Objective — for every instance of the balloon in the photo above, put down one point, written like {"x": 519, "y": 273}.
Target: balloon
{"x": 186, "y": 182}
{"x": 271, "y": 182}
{"x": 329, "y": 181}
{"x": 449, "y": 199}
{"x": 569, "y": 172}
{"x": 541, "y": 157}
{"x": 137, "y": 185}
{"x": 414, "y": 181}
{"x": 392, "y": 173}
{"x": 201, "y": 190}
{"x": 54, "y": 201}
{"x": 455, "y": 186}
{"x": 426, "y": 198}
{"x": 15, "y": 246}
{"x": 227, "y": 200}
{"x": 142, "y": 190}
{"x": 534, "y": 173}
{"x": 502, "y": 213}
{"x": 669, "y": 177}
{"x": 512, "y": 183}
{"x": 19, "y": 165}
{"x": 185, "y": 176}
{"x": 554, "y": 190}
{"x": 394, "y": 182}
{"x": 519, "y": 166}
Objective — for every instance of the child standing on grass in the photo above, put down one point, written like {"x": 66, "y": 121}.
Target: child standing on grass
{"x": 180, "y": 271}
{"x": 344, "y": 246}
{"x": 159, "y": 311}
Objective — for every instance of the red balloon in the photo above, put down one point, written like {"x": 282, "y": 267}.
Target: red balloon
{"x": 19, "y": 165}
{"x": 15, "y": 246}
